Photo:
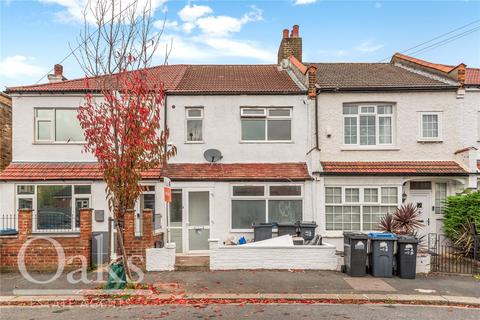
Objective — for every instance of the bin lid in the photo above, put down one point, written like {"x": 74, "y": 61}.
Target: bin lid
{"x": 308, "y": 224}
{"x": 382, "y": 235}
{"x": 355, "y": 235}
{"x": 408, "y": 239}
{"x": 262, "y": 225}
{"x": 287, "y": 224}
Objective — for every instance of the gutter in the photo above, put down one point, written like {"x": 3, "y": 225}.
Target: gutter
{"x": 389, "y": 89}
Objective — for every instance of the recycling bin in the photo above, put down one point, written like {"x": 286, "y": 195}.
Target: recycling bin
{"x": 287, "y": 228}
{"x": 307, "y": 229}
{"x": 262, "y": 231}
{"x": 381, "y": 254}
{"x": 355, "y": 253}
{"x": 407, "y": 257}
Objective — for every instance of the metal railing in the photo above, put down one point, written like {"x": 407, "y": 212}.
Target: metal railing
{"x": 8, "y": 224}
{"x": 54, "y": 222}
{"x": 447, "y": 258}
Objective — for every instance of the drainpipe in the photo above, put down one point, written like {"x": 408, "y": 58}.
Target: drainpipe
{"x": 317, "y": 144}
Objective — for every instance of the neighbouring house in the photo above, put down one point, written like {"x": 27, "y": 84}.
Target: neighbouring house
{"x": 337, "y": 143}
{"x": 406, "y": 131}
{"x": 5, "y": 130}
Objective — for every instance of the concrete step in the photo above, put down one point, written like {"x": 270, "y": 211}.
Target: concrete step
{"x": 192, "y": 263}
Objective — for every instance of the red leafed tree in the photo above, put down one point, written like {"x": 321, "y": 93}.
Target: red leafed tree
{"x": 121, "y": 113}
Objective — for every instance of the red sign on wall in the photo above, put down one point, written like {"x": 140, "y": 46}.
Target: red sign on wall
{"x": 167, "y": 194}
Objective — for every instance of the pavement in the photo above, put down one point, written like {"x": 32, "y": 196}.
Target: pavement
{"x": 257, "y": 312}
{"x": 252, "y": 287}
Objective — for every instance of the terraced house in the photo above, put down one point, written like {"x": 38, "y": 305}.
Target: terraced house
{"x": 337, "y": 143}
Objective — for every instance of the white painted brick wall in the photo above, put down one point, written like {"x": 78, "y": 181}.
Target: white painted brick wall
{"x": 161, "y": 259}
{"x": 287, "y": 257}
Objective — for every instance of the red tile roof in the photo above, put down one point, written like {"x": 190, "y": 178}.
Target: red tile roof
{"x": 178, "y": 172}
{"x": 169, "y": 75}
{"x": 393, "y": 168}
{"x": 472, "y": 76}
{"x": 195, "y": 79}
{"x": 236, "y": 79}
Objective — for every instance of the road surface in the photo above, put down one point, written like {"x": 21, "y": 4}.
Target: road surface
{"x": 270, "y": 311}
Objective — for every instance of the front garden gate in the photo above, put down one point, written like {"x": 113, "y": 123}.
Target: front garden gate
{"x": 448, "y": 258}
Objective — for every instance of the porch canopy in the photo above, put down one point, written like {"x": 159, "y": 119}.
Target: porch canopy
{"x": 394, "y": 168}
{"x": 49, "y": 171}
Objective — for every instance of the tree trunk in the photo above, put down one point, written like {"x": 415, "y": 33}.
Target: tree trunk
{"x": 121, "y": 250}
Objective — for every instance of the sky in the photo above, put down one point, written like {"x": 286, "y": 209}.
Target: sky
{"x": 36, "y": 34}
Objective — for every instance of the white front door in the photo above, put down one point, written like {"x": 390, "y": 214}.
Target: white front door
{"x": 189, "y": 220}
{"x": 422, "y": 200}
{"x": 198, "y": 221}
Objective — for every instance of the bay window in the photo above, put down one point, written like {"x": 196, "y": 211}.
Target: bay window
{"x": 265, "y": 203}
{"x": 368, "y": 125}
{"x": 358, "y": 208}
{"x": 57, "y": 125}
{"x": 266, "y": 124}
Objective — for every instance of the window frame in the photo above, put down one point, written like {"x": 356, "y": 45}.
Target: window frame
{"x": 33, "y": 197}
{"x": 266, "y": 117}
{"x": 266, "y": 196}
{"x": 188, "y": 117}
{"x": 361, "y": 203}
{"x": 52, "y": 121}
{"x": 420, "y": 136}
{"x": 359, "y": 114}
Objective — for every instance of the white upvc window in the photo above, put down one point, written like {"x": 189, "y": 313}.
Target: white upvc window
{"x": 56, "y": 207}
{"x": 266, "y": 124}
{"x": 368, "y": 124}
{"x": 57, "y": 125}
{"x": 358, "y": 208}
{"x": 430, "y": 126}
{"x": 257, "y": 203}
{"x": 194, "y": 125}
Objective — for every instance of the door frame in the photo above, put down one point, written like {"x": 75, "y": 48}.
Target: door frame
{"x": 429, "y": 215}
{"x": 185, "y": 217}
{"x": 186, "y": 223}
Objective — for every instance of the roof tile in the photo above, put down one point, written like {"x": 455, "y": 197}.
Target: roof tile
{"x": 18, "y": 171}
{"x": 209, "y": 79}
{"x": 370, "y": 76}
{"x": 393, "y": 168}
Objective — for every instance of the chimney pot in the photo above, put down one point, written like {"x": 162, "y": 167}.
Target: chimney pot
{"x": 58, "y": 70}
{"x": 295, "y": 31}
{"x": 285, "y": 33}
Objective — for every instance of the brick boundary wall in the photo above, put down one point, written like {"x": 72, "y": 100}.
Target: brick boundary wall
{"x": 137, "y": 245}
{"x": 41, "y": 254}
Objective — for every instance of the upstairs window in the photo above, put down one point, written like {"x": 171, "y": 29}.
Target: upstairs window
{"x": 266, "y": 124}
{"x": 430, "y": 126}
{"x": 368, "y": 125}
{"x": 194, "y": 124}
{"x": 57, "y": 125}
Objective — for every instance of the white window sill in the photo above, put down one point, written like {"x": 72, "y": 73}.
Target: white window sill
{"x": 59, "y": 143}
{"x": 194, "y": 142}
{"x": 430, "y": 141}
{"x": 264, "y": 142}
{"x": 241, "y": 230}
{"x": 369, "y": 148}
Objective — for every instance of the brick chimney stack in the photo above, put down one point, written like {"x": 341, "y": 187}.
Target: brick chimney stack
{"x": 57, "y": 75}
{"x": 290, "y": 45}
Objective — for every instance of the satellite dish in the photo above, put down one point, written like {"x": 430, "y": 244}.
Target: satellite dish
{"x": 212, "y": 155}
